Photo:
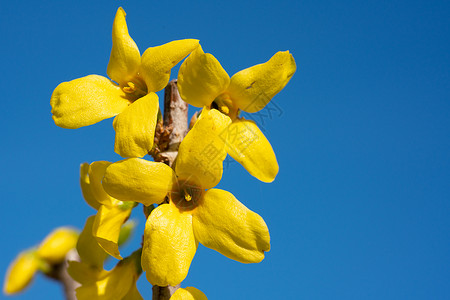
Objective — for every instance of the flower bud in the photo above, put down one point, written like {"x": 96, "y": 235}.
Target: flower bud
{"x": 21, "y": 272}
{"x": 55, "y": 246}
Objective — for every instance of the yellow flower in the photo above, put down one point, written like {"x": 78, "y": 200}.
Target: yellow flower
{"x": 119, "y": 283}
{"x": 21, "y": 271}
{"x": 88, "y": 248}
{"x": 85, "y": 273}
{"x": 111, "y": 214}
{"x": 129, "y": 94}
{"x": 189, "y": 293}
{"x": 90, "y": 269}
{"x": 55, "y": 246}
{"x": 196, "y": 212}
{"x": 203, "y": 82}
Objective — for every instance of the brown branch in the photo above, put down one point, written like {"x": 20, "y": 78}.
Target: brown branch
{"x": 163, "y": 292}
{"x": 59, "y": 273}
{"x": 175, "y": 124}
{"x": 175, "y": 128}
{"x": 68, "y": 283}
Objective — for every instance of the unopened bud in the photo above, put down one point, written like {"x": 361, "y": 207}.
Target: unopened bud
{"x": 56, "y": 245}
{"x": 21, "y": 271}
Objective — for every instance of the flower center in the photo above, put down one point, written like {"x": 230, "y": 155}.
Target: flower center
{"x": 186, "y": 196}
{"x": 224, "y": 104}
{"x": 135, "y": 88}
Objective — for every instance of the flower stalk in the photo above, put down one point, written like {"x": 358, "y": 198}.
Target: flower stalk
{"x": 175, "y": 128}
{"x": 59, "y": 273}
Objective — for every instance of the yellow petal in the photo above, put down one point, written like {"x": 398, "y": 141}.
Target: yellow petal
{"x": 251, "y": 89}
{"x": 248, "y": 146}
{"x": 86, "y": 101}
{"x": 224, "y": 224}
{"x": 138, "y": 180}
{"x": 55, "y": 246}
{"x": 169, "y": 245}
{"x": 106, "y": 228}
{"x": 189, "y": 293}
{"x": 125, "y": 58}
{"x": 20, "y": 272}
{"x": 84, "y": 273}
{"x": 97, "y": 170}
{"x": 157, "y": 62}
{"x": 88, "y": 249}
{"x": 201, "y": 78}
{"x": 115, "y": 285}
{"x": 86, "y": 189}
{"x": 135, "y": 127}
{"x": 133, "y": 294}
{"x": 202, "y": 151}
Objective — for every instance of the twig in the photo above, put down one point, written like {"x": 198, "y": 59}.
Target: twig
{"x": 175, "y": 124}
{"x": 68, "y": 283}
{"x": 59, "y": 273}
{"x": 163, "y": 292}
{"x": 175, "y": 128}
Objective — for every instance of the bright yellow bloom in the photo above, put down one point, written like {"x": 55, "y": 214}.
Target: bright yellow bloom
{"x": 21, "y": 271}
{"x": 203, "y": 82}
{"x": 55, "y": 246}
{"x": 92, "y": 256}
{"x": 84, "y": 273}
{"x": 189, "y": 293}
{"x": 111, "y": 214}
{"x": 196, "y": 212}
{"x": 119, "y": 283}
{"x": 88, "y": 248}
{"x": 129, "y": 94}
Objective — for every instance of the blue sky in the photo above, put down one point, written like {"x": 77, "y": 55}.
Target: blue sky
{"x": 360, "y": 207}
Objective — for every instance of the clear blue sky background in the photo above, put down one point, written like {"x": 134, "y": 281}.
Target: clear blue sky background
{"x": 360, "y": 208}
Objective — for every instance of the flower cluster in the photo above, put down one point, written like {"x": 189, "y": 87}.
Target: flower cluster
{"x": 183, "y": 207}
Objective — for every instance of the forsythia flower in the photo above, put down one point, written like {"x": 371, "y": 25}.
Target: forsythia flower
{"x": 196, "y": 212}
{"x": 21, "y": 271}
{"x": 189, "y": 293}
{"x": 52, "y": 250}
{"x": 119, "y": 283}
{"x": 89, "y": 271}
{"x": 88, "y": 248}
{"x": 203, "y": 82}
{"x": 129, "y": 94}
{"x": 101, "y": 231}
{"x": 111, "y": 214}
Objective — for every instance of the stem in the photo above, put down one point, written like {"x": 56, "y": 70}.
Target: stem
{"x": 175, "y": 122}
{"x": 175, "y": 128}
{"x": 163, "y": 292}
{"x": 68, "y": 283}
{"x": 59, "y": 273}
